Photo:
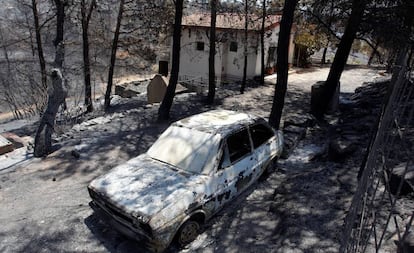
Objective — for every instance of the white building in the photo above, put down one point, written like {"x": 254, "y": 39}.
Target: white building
{"x": 229, "y": 59}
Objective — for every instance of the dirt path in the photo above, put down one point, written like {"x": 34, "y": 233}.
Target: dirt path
{"x": 44, "y": 202}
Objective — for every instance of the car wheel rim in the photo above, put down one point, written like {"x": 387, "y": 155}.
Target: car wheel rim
{"x": 189, "y": 232}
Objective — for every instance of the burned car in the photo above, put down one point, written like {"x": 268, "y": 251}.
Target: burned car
{"x": 195, "y": 167}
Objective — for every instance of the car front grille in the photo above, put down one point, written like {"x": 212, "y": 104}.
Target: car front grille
{"x": 118, "y": 214}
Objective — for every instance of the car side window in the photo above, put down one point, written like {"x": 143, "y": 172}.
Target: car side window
{"x": 260, "y": 134}
{"x": 225, "y": 159}
{"x": 238, "y": 145}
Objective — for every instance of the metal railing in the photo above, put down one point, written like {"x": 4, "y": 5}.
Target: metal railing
{"x": 381, "y": 215}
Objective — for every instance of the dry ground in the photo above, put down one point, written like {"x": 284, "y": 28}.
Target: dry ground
{"x": 299, "y": 208}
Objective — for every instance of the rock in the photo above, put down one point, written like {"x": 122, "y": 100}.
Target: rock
{"x": 126, "y": 91}
{"x": 407, "y": 244}
{"x": 75, "y": 154}
{"x": 340, "y": 149}
{"x": 303, "y": 120}
{"x": 300, "y": 131}
{"x": 291, "y": 140}
{"x": 404, "y": 174}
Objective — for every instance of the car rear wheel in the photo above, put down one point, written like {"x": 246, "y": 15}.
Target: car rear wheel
{"x": 188, "y": 232}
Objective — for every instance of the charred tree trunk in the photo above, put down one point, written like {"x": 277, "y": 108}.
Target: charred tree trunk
{"x": 282, "y": 63}
{"x": 86, "y": 14}
{"x": 341, "y": 56}
{"x": 325, "y": 50}
{"x": 58, "y": 92}
{"x": 262, "y": 44}
{"x": 330, "y": 21}
{"x": 165, "y": 107}
{"x": 246, "y": 12}
{"x": 212, "y": 53}
{"x": 373, "y": 53}
{"x": 42, "y": 62}
{"x": 58, "y": 42}
{"x": 107, "y": 103}
{"x": 43, "y": 139}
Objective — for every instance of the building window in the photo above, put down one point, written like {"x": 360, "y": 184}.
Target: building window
{"x": 233, "y": 46}
{"x": 200, "y": 46}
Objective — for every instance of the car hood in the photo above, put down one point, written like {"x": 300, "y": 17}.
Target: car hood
{"x": 144, "y": 186}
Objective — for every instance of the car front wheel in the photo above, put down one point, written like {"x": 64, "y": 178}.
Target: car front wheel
{"x": 188, "y": 232}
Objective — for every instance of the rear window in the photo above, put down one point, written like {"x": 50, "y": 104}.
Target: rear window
{"x": 260, "y": 134}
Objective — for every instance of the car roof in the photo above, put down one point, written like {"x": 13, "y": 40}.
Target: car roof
{"x": 218, "y": 121}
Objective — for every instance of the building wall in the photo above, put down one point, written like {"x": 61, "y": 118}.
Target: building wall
{"x": 194, "y": 62}
{"x": 228, "y": 64}
{"x": 233, "y": 61}
{"x": 271, "y": 40}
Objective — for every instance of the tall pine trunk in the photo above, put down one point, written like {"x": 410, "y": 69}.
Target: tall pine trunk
{"x": 42, "y": 61}
{"x": 109, "y": 85}
{"x": 246, "y": 14}
{"x": 165, "y": 107}
{"x": 325, "y": 50}
{"x": 341, "y": 56}
{"x": 58, "y": 91}
{"x": 373, "y": 53}
{"x": 282, "y": 63}
{"x": 86, "y": 14}
{"x": 262, "y": 44}
{"x": 212, "y": 53}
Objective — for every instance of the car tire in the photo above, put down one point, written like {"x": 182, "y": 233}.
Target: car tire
{"x": 188, "y": 232}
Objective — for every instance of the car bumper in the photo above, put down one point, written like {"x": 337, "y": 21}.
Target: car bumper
{"x": 127, "y": 229}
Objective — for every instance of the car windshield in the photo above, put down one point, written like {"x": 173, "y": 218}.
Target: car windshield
{"x": 187, "y": 149}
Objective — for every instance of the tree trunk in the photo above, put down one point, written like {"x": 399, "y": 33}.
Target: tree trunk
{"x": 342, "y": 53}
{"x": 42, "y": 62}
{"x": 282, "y": 63}
{"x": 113, "y": 56}
{"x": 58, "y": 42}
{"x": 43, "y": 139}
{"x": 262, "y": 44}
{"x": 212, "y": 52}
{"x": 86, "y": 17}
{"x": 246, "y": 12}
{"x": 373, "y": 53}
{"x": 325, "y": 50}
{"x": 165, "y": 107}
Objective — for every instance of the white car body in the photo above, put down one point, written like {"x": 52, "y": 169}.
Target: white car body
{"x": 196, "y": 166}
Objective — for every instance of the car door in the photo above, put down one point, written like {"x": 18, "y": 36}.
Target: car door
{"x": 233, "y": 173}
{"x": 264, "y": 145}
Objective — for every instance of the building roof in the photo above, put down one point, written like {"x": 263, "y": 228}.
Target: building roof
{"x": 231, "y": 21}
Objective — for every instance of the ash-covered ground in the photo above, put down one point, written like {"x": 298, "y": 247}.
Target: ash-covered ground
{"x": 300, "y": 207}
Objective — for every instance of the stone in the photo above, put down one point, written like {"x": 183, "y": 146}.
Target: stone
{"x": 300, "y": 131}
{"x": 75, "y": 154}
{"x": 340, "y": 149}
{"x": 404, "y": 174}
{"x": 126, "y": 90}
{"x": 302, "y": 120}
{"x": 407, "y": 244}
{"x": 158, "y": 86}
